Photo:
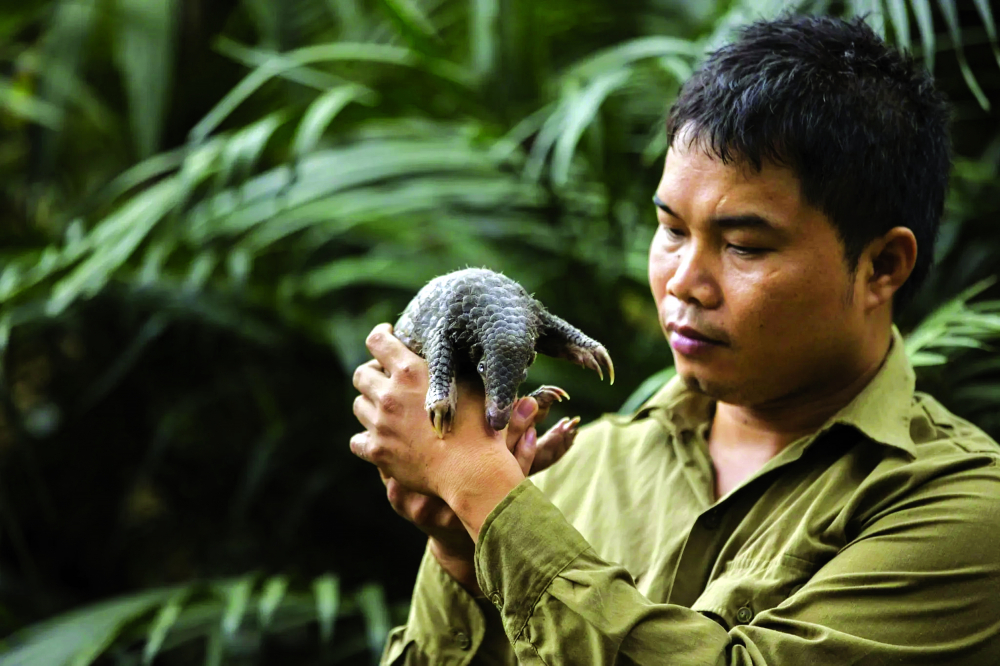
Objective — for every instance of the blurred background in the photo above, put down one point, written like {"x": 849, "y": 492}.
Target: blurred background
{"x": 206, "y": 205}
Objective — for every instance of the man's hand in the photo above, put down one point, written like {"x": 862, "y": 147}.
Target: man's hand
{"x": 449, "y": 542}
{"x": 417, "y": 466}
{"x": 398, "y": 436}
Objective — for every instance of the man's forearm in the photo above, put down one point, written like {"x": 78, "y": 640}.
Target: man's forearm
{"x": 459, "y": 563}
{"x": 447, "y": 624}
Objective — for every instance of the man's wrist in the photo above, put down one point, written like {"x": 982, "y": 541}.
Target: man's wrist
{"x": 459, "y": 563}
{"x": 481, "y": 486}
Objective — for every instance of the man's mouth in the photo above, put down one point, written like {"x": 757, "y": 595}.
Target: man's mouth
{"x": 690, "y": 341}
{"x": 692, "y": 333}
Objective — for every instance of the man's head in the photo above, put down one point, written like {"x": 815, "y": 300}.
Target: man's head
{"x": 839, "y": 145}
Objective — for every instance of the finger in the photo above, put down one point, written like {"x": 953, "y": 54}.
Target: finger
{"x": 389, "y": 350}
{"x": 361, "y": 447}
{"x": 521, "y": 419}
{"x": 525, "y": 450}
{"x": 365, "y": 411}
{"x": 369, "y": 378}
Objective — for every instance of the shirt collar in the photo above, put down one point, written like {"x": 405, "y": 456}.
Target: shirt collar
{"x": 881, "y": 411}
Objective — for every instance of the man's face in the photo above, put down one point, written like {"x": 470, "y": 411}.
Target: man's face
{"x": 740, "y": 258}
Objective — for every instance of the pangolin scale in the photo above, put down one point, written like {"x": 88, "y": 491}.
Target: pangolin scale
{"x": 476, "y": 318}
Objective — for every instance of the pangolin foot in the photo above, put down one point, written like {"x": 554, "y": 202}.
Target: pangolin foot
{"x": 442, "y": 415}
{"x": 546, "y": 395}
{"x": 595, "y": 358}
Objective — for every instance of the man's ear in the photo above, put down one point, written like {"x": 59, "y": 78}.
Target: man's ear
{"x": 888, "y": 262}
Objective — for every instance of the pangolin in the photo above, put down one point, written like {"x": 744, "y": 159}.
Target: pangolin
{"x": 482, "y": 320}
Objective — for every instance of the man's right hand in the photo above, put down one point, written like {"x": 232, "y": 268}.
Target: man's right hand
{"x": 450, "y": 544}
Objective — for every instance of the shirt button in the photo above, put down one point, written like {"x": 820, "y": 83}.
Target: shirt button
{"x": 744, "y": 615}
{"x": 497, "y": 600}
{"x": 462, "y": 640}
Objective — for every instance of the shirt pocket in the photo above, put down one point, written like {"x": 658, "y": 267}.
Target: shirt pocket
{"x": 748, "y": 587}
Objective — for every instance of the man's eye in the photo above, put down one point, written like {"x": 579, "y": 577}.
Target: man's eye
{"x": 744, "y": 251}
{"x": 673, "y": 233}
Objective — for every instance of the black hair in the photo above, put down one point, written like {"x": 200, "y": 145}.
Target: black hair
{"x": 860, "y": 123}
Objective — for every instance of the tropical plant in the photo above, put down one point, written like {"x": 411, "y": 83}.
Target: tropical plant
{"x": 210, "y": 204}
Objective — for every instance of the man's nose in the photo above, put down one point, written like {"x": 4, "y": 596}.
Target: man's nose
{"x": 694, "y": 280}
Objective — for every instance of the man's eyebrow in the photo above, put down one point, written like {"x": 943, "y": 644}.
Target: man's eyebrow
{"x": 664, "y": 207}
{"x": 748, "y": 221}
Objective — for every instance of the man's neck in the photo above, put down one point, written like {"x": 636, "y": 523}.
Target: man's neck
{"x": 743, "y": 438}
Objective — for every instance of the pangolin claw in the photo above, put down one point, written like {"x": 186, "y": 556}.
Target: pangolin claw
{"x": 546, "y": 395}
{"x": 441, "y": 419}
{"x": 603, "y": 357}
{"x": 597, "y": 359}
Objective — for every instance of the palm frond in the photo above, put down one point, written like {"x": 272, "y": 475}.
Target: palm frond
{"x": 956, "y": 325}
{"x": 228, "y": 611}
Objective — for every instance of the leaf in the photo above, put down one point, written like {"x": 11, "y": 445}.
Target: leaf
{"x": 270, "y": 598}
{"x": 165, "y": 619}
{"x": 340, "y": 52}
{"x": 18, "y": 101}
{"x": 144, "y": 54}
{"x": 79, "y": 637}
{"x": 580, "y": 114}
{"x": 255, "y": 57}
{"x": 327, "y": 592}
{"x": 925, "y": 359}
{"x": 899, "y": 18}
{"x": 626, "y": 53}
{"x": 413, "y": 23}
{"x": 950, "y": 13}
{"x": 242, "y": 150}
{"x": 986, "y": 13}
{"x": 369, "y": 270}
{"x": 72, "y": 23}
{"x": 871, "y": 11}
{"x": 371, "y": 600}
{"x": 237, "y": 600}
{"x": 321, "y": 112}
{"x": 348, "y": 14}
{"x": 925, "y": 23}
{"x": 120, "y": 234}
{"x": 483, "y": 37}
{"x": 215, "y": 649}
{"x": 954, "y": 325}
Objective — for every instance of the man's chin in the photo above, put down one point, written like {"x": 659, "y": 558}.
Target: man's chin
{"x": 706, "y": 386}
{"x": 695, "y": 383}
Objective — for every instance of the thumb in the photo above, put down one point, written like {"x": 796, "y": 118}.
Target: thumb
{"x": 522, "y": 419}
{"x": 525, "y": 449}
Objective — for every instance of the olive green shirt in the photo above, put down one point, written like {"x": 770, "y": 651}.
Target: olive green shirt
{"x": 875, "y": 540}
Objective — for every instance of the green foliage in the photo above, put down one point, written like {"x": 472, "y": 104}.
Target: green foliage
{"x": 208, "y": 207}
{"x": 218, "y": 613}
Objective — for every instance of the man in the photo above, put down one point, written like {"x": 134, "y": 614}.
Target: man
{"x": 786, "y": 500}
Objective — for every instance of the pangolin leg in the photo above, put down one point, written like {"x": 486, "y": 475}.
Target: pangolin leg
{"x": 442, "y": 391}
{"x": 545, "y": 396}
{"x": 561, "y": 339}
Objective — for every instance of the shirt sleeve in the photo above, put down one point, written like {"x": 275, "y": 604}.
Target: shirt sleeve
{"x": 447, "y": 625}
{"x": 920, "y": 585}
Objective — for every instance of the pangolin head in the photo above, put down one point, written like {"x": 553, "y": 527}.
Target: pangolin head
{"x": 503, "y": 366}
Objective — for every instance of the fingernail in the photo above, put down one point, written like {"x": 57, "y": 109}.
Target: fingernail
{"x": 530, "y": 437}
{"x": 526, "y": 408}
